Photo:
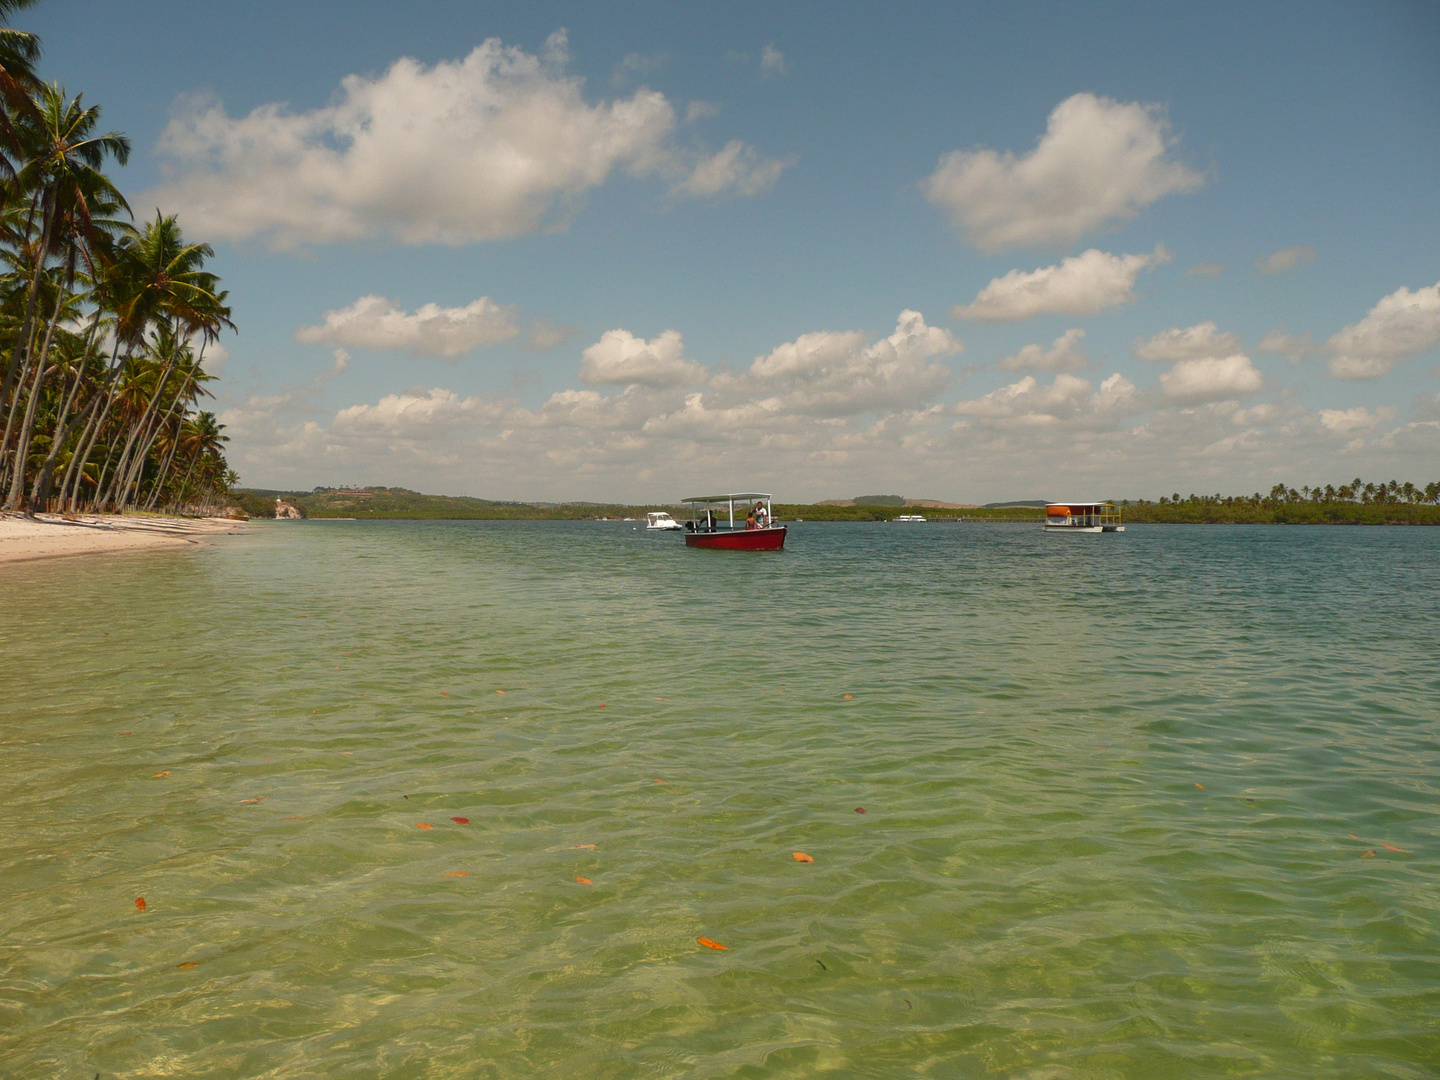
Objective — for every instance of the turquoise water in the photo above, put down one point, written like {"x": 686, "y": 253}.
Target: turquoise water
{"x": 1040, "y": 885}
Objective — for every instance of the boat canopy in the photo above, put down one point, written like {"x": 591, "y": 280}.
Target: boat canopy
{"x": 706, "y": 504}
{"x": 736, "y": 496}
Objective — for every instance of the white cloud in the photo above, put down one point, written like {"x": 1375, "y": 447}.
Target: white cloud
{"x": 1293, "y": 347}
{"x": 772, "y": 61}
{"x": 620, "y": 358}
{"x": 1068, "y": 399}
{"x": 1278, "y": 262}
{"x": 835, "y": 373}
{"x": 1400, "y": 325}
{"x": 1204, "y": 339}
{"x": 1211, "y": 379}
{"x": 496, "y": 145}
{"x": 1099, "y": 163}
{"x": 412, "y": 413}
{"x": 1081, "y": 285}
{"x": 635, "y": 65}
{"x": 735, "y": 170}
{"x": 1356, "y": 421}
{"x": 373, "y": 322}
{"x": 1063, "y": 355}
{"x": 1210, "y": 270}
{"x": 699, "y": 110}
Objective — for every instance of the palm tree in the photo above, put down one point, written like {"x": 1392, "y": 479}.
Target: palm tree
{"x": 61, "y": 173}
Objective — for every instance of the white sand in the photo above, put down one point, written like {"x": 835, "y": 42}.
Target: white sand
{"x": 49, "y": 536}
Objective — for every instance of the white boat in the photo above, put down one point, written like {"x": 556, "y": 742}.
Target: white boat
{"x": 910, "y": 517}
{"x": 1088, "y": 517}
{"x": 660, "y": 521}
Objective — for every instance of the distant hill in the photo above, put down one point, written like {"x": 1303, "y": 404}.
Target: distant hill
{"x": 1019, "y": 502}
{"x": 878, "y": 500}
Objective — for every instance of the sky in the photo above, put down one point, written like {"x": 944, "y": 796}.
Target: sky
{"x": 963, "y": 252}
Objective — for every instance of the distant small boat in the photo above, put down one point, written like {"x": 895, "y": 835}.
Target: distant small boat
{"x": 910, "y": 517}
{"x": 660, "y": 521}
{"x": 712, "y": 523}
{"x": 1088, "y": 517}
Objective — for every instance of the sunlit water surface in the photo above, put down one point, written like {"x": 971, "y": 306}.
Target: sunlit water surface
{"x": 1132, "y": 804}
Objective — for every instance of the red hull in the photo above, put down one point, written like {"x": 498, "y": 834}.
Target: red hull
{"x": 739, "y": 539}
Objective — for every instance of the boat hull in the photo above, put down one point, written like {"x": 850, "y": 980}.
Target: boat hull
{"x": 772, "y": 539}
{"x": 1084, "y": 528}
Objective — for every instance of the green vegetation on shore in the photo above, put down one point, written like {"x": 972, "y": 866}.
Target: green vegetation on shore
{"x": 373, "y": 504}
{"x": 1355, "y": 503}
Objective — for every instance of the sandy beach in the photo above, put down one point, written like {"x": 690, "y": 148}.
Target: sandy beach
{"x": 49, "y": 536}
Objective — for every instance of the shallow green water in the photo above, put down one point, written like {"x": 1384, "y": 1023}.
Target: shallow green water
{"x": 1039, "y": 887}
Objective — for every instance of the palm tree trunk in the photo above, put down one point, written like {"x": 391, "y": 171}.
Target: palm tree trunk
{"x": 41, "y": 491}
{"x": 136, "y": 464}
{"x": 21, "y": 358}
{"x": 27, "y": 429}
{"x": 92, "y": 430}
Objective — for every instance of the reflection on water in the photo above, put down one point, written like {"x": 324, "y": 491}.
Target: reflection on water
{"x": 1120, "y": 793}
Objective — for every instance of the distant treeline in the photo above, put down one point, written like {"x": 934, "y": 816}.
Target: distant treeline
{"x": 400, "y": 503}
{"x": 1353, "y": 503}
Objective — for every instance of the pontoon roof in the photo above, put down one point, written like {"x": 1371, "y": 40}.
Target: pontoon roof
{"x": 735, "y": 496}
{"x": 1081, "y": 502}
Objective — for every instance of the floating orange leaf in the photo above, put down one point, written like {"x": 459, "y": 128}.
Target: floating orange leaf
{"x": 444, "y": 693}
{"x": 602, "y": 705}
{"x": 297, "y": 817}
{"x": 1368, "y": 854}
{"x": 456, "y": 873}
{"x": 800, "y": 856}
{"x": 165, "y": 773}
{"x": 659, "y": 781}
{"x": 849, "y": 697}
{"x": 1352, "y": 836}
{"x": 124, "y": 733}
{"x": 187, "y": 965}
{"x": 584, "y": 881}
{"x": 140, "y": 902}
{"x": 1392, "y": 847}
{"x": 859, "y": 810}
{"x": 712, "y": 944}
{"x": 258, "y": 798}
{"x": 423, "y": 825}
{"x": 660, "y": 699}
{"x": 461, "y": 820}
{"x": 1200, "y": 786}
{"x": 501, "y": 692}
{"x": 583, "y": 847}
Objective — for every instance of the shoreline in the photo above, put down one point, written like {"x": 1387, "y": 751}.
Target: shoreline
{"x": 49, "y": 536}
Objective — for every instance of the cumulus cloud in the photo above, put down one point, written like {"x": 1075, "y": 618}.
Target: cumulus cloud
{"x": 1293, "y": 347}
{"x": 1067, "y": 399}
{"x": 620, "y": 358}
{"x": 1358, "y": 420}
{"x": 373, "y": 322}
{"x": 1278, "y": 262}
{"x": 772, "y": 61}
{"x": 412, "y": 412}
{"x": 496, "y": 145}
{"x": 1400, "y": 325}
{"x": 1204, "y": 339}
{"x": 1063, "y": 355}
{"x": 836, "y": 373}
{"x": 1193, "y": 382}
{"x": 1099, "y": 163}
{"x": 1081, "y": 285}
{"x": 636, "y": 65}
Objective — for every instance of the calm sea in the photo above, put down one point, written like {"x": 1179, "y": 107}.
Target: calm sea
{"x": 1161, "y": 804}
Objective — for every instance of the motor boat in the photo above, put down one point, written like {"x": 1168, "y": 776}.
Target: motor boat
{"x": 660, "y": 521}
{"x": 1087, "y": 517}
{"x": 712, "y": 522}
{"x": 909, "y": 517}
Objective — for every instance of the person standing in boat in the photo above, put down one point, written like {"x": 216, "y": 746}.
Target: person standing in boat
{"x": 762, "y": 519}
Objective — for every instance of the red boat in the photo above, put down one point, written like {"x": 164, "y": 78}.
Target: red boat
{"x": 712, "y": 523}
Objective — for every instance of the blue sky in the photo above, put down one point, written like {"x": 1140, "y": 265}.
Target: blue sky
{"x": 720, "y": 218}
